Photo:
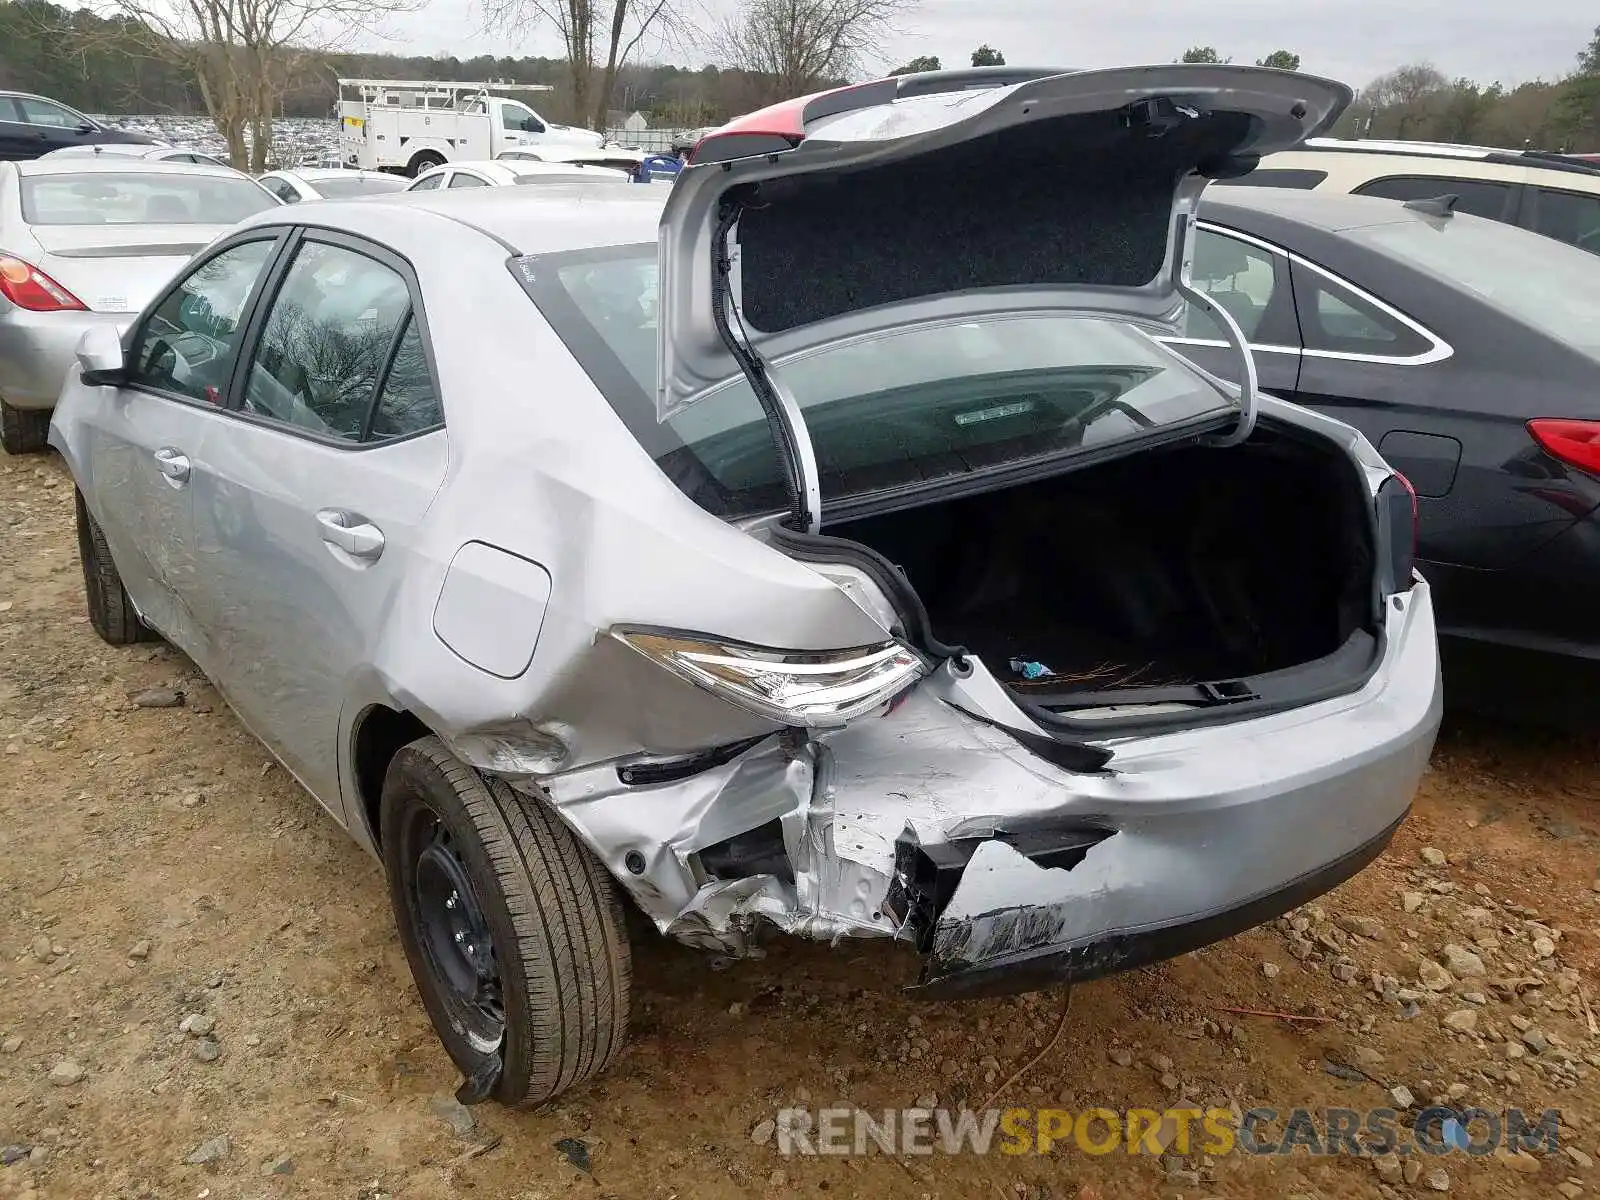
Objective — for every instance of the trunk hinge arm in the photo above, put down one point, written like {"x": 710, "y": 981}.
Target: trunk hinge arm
{"x": 802, "y": 480}
{"x": 1247, "y": 364}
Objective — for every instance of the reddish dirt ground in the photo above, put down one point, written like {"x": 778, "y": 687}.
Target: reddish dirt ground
{"x": 156, "y": 866}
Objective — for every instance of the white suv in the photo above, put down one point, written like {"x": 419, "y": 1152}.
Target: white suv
{"x": 1552, "y": 194}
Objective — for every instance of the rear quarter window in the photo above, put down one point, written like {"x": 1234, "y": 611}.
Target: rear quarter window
{"x": 1480, "y": 197}
{"x": 1278, "y": 177}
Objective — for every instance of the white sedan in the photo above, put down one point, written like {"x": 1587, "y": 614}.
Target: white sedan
{"x": 329, "y": 183}
{"x": 614, "y": 157}
{"x": 505, "y": 173}
{"x": 181, "y": 154}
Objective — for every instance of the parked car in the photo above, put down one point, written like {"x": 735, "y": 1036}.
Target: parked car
{"x": 1553, "y": 194}
{"x": 509, "y": 174}
{"x": 85, "y": 242}
{"x": 180, "y": 154}
{"x": 329, "y": 183}
{"x": 34, "y": 125}
{"x": 630, "y": 162}
{"x": 409, "y": 125}
{"x": 546, "y": 619}
{"x": 1466, "y": 351}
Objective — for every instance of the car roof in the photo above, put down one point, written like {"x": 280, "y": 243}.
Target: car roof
{"x": 1536, "y": 159}
{"x": 567, "y": 215}
{"x": 34, "y": 96}
{"x": 1331, "y": 212}
{"x": 120, "y": 165}
{"x": 313, "y": 174}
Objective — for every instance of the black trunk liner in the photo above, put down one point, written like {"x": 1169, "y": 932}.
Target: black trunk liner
{"x": 1076, "y": 656}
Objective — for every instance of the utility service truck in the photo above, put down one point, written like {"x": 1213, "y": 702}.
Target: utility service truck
{"x": 407, "y": 125}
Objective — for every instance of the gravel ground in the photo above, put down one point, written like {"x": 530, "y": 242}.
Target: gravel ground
{"x": 201, "y": 994}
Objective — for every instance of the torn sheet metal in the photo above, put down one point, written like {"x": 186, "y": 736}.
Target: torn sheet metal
{"x": 1190, "y": 822}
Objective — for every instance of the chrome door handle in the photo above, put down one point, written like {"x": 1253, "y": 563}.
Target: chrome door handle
{"x": 351, "y": 533}
{"x": 174, "y": 465}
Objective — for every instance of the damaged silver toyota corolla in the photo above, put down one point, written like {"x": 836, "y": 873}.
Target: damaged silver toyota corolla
{"x": 834, "y": 547}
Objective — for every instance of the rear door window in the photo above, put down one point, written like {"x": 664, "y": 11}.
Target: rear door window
{"x": 328, "y": 337}
{"x": 42, "y": 112}
{"x": 1480, "y": 197}
{"x": 1572, "y": 217}
{"x": 462, "y": 180}
{"x": 1242, "y": 278}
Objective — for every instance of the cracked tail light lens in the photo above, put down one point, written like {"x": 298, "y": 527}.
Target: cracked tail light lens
{"x": 811, "y": 688}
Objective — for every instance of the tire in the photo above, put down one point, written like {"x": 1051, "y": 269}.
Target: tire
{"x": 24, "y": 430}
{"x": 425, "y": 160}
{"x": 110, "y": 611}
{"x": 558, "y": 960}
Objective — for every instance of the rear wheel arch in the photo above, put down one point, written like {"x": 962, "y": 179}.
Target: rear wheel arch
{"x": 379, "y": 734}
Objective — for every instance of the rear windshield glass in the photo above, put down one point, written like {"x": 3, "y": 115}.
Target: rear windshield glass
{"x": 157, "y": 198}
{"x": 891, "y": 411}
{"x": 1537, "y": 280}
{"x": 343, "y": 189}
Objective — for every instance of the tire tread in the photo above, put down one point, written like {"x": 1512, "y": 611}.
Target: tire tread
{"x": 111, "y": 612}
{"x": 567, "y": 919}
{"x": 24, "y": 430}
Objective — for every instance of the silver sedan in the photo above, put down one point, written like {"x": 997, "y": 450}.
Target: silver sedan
{"x": 774, "y": 554}
{"x": 86, "y": 241}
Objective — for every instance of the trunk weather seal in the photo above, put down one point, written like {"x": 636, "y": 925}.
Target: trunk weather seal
{"x": 1241, "y": 347}
{"x": 792, "y": 441}
{"x": 822, "y": 548}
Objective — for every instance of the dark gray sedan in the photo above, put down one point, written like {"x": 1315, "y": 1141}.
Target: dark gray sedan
{"x": 1468, "y": 352}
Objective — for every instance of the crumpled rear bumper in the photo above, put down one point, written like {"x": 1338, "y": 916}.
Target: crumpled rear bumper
{"x": 1023, "y": 948}
{"x": 1009, "y": 873}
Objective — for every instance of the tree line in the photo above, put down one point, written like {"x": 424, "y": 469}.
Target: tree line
{"x": 1418, "y": 102}
{"x": 245, "y": 63}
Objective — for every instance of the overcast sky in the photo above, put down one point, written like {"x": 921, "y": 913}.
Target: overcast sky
{"x": 1351, "y": 40}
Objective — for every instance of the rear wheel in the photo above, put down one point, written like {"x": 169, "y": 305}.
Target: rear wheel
{"x": 23, "y": 430}
{"x": 110, "y": 611}
{"x": 424, "y": 161}
{"x": 514, "y": 933}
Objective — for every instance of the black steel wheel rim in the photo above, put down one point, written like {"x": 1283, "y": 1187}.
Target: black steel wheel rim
{"x": 453, "y": 932}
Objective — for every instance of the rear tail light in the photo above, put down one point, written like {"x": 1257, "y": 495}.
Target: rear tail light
{"x": 27, "y": 287}
{"x": 1397, "y": 532}
{"x": 1576, "y": 443}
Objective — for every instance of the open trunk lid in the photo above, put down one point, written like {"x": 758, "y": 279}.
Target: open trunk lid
{"x": 954, "y": 196}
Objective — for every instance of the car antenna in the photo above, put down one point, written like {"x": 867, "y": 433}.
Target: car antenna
{"x": 1435, "y": 206}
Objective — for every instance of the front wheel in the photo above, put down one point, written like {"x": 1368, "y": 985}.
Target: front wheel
{"x": 111, "y": 612}
{"x": 514, "y": 933}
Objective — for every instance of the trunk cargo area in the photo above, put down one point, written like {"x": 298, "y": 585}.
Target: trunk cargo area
{"x": 1169, "y": 567}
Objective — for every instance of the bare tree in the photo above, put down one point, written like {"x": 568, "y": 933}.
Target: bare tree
{"x": 243, "y": 53}
{"x": 597, "y": 35}
{"x": 795, "y": 45}
{"x": 1409, "y": 92}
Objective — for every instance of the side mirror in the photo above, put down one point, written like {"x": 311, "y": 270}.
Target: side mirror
{"x": 100, "y": 357}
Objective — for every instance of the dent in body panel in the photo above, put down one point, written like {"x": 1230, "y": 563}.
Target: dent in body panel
{"x": 1187, "y": 824}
